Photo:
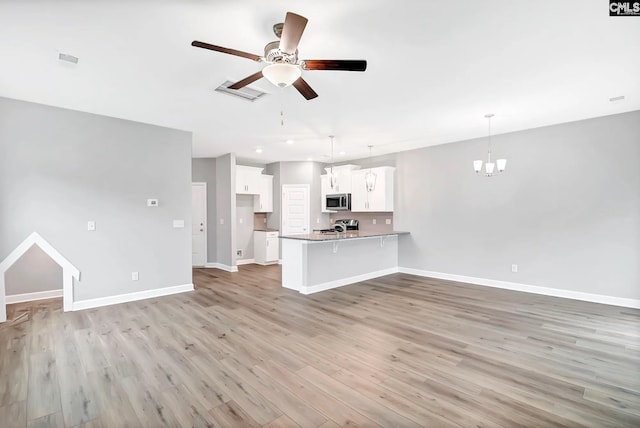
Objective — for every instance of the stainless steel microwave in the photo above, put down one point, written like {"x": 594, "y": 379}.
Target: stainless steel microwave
{"x": 339, "y": 202}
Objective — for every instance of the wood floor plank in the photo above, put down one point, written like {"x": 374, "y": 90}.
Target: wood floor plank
{"x": 399, "y": 350}
{"x": 14, "y": 415}
{"x": 44, "y": 389}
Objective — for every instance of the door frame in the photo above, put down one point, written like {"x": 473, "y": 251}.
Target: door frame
{"x": 206, "y": 226}
{"x": 287, "y": 186}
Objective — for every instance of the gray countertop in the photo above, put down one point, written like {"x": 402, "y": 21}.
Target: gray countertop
{"x": 316, "y": 237}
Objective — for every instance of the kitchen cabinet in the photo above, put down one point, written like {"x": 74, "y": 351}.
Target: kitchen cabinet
{"x": 263, "y": 201}
{"x": 343, "y": 183}
{"x": 266, "y": 247}
{"x": 248, "y": 180}
{"x": 380, "y": 199}
{"x": 343, "y": 178}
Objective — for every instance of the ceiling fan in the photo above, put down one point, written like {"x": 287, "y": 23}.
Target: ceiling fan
{"x": 284, "y": 68}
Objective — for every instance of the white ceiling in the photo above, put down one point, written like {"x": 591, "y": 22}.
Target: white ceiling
{"x": 434, "y": 68}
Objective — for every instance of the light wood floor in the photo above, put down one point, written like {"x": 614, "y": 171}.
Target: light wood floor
{"x": 399, "y": 351}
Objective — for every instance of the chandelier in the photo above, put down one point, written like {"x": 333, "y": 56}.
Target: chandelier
{"x": 370, "y": 177}
{"x": 332, "y": 177}
{"x": 489, "y": 166}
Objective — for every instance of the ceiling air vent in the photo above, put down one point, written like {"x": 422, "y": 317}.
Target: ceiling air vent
{"x": 68, "y": 58}
{"x": 245, "y": 93}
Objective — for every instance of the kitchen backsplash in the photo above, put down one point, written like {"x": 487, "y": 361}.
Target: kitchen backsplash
{"x": 260, "y": 221}
{"x": 366, "y": 220}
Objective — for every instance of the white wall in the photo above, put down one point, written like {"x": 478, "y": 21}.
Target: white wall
{"x": 61, "y": 168}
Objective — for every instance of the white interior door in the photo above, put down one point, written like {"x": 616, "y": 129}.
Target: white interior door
{"x": 199, "y": 224}
{"x": 295, "y": 209}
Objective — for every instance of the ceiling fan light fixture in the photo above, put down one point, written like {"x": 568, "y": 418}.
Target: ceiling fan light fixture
{"x": 282, "y": 74}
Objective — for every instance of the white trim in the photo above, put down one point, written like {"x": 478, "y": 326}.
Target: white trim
{"x": 131, "y": 297}
{"x": 345, "y": 281}
{"x": 206, "y": 225}
{"x": 69, "y": 271}
{"x": 30, "y": 297}
{"x": 221, "y": 267}
{"x": 245, "y": 262}
{"x": 535, "y": 289}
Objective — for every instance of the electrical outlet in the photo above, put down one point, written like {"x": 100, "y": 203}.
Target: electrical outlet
{"x": 514, "y": 268}
{"x": 134, "y": 276}
{"x": 375, "y": 221}
{"x": 317, "y": 221}
{"x": 239, "y": 253}
{"x": 388, "y": 221}
{"x": 221, "y": 221}
{"x": 241, "y": 220}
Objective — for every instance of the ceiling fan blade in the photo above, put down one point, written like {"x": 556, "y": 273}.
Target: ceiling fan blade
{"x": 247, "y": 80}
{"x": 304, "y": 88}
{"x": 225, "y": 50}
{"x": 292, "y": 32}
{"x": 334, "y": 64}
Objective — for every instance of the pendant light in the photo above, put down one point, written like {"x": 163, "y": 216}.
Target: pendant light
{"x": 332, "y": 177}
{"x": 489, "y": 166}
{"x": 370, "y": 177}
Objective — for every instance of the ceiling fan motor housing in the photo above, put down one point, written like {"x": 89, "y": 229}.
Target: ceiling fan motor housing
{"x": 272, "y": 54}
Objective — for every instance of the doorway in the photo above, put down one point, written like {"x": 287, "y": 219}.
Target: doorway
{"x": 199, "y": 224}
{"x": 295, "y": 209}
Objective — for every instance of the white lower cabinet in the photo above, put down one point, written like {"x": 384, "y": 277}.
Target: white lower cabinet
{"x": 266, "y": 247}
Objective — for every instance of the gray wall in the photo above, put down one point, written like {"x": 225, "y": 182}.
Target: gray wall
{"x": 273, "y": 218}
{"x": 61, "y": 168}
{"x": 226, "y": 209}
{"x": 35, "y": 271}
{"x": 203, "y": 170}
{"x": 298, "y": 173}
{"x": 567, "y": 210}
{"x": 244, "y": 226}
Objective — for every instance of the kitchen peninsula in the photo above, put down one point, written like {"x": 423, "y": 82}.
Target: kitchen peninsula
{"x": 317, "y": 262}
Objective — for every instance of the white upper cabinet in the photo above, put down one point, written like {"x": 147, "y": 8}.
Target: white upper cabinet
{"x": 324, "y": 191}
{"x": 263, "y": 201}
{"x": 343, "y": 178}
{"x": 251, "y": 181}
{"x": 380, "y": 199}
{"x": 248, "y": 181}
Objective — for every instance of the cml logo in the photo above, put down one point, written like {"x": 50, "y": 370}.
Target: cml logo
{"x": 624, "y": 8}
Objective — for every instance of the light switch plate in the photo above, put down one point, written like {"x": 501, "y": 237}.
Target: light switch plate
{"x": 91, "y": 226}
{"x": 134, "y": 276}
{"x": 178, "y": 224}
{"x": 221, "y": 221}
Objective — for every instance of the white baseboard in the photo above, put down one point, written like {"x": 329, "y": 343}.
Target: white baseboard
{"x": 535, "y": 289}
{"x": 29, "y": 297}
{"x": 245, "y": 262}
{"x": 345, "y": 281}
{"x": 131, "y": 297}
{"x": 222, "y": 267}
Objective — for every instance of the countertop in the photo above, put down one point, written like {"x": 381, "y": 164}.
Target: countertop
{"x": 266, "y": 230}
{"x": 318, "y": 237}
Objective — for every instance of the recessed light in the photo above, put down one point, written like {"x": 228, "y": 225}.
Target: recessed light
{"x": 615, "y": 99}
{"x": 258, "y": 150}
{"x": 289, "y": 141}
{"x": 343, "y": 153}
{"x": 309, "y": 159}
